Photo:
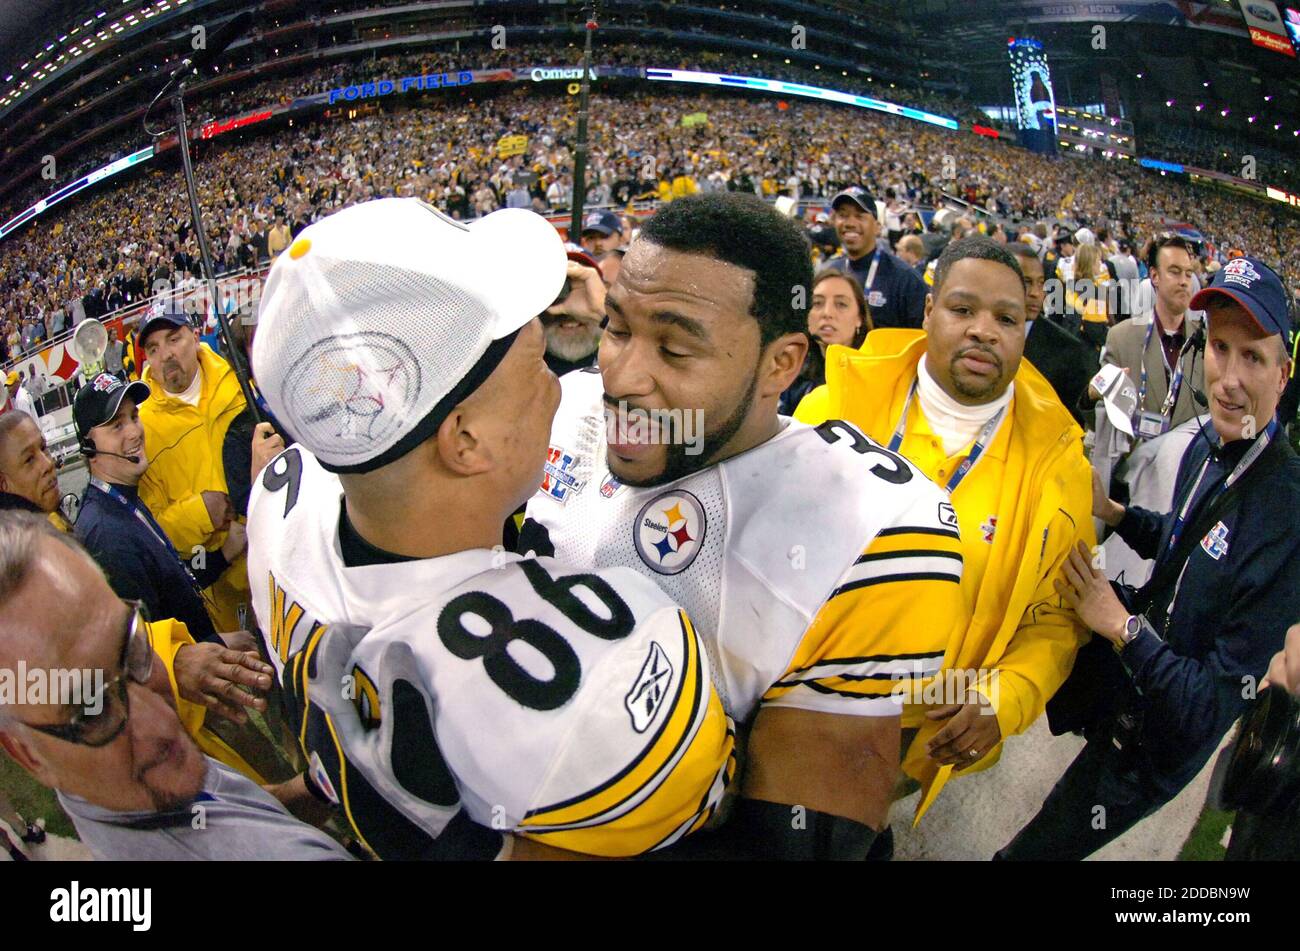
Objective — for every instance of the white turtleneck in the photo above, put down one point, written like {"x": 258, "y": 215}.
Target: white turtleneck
{"x": 192, "y": 392}
{"x": 955, "y": 423}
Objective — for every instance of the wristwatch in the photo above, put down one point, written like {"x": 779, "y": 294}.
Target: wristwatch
{"x": 1132, "y": 625}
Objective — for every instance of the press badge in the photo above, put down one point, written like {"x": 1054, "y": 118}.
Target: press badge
{"x": 876, "y": 299}
{"x": 1150, "y": 424}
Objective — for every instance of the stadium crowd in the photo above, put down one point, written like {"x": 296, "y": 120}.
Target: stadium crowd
{"x": 96, "y": 254}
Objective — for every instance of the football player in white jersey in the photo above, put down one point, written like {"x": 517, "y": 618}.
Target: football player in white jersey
{"x": 821, "y": 570}
{"x": 454, "y": 700}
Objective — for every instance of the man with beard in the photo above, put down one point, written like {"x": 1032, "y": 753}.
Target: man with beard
{"x": 194, "y": 398}
{"x": 895, "y": 293}
{"x": 959, "y": 402}
{"x": 126, "y": 773}
{"x": 572, "y": 324}
{"x": 822, "y": 570}
{"x": 601, "y": 231}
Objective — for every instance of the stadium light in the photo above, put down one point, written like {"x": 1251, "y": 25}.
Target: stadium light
{"x": 1169, "y": 102}
{"x": 1200, "y": 106}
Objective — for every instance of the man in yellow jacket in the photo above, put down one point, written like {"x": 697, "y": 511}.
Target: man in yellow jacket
{"x": 194, "y": 397}
{"x": 959, "y": 402}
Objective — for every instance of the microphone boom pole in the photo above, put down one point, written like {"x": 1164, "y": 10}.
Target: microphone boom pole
{"x": 205, "y": 255}
{"x": 580, "y": 150}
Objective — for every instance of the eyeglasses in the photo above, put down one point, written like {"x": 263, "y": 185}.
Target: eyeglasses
{"x": 112, "y": 704}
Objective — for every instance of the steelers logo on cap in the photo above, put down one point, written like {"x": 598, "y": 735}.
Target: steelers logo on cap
{"x": 669, "y": 531}
{"x": 352, "y": 393}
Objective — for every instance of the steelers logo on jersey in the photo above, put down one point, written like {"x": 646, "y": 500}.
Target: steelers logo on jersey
{"x": 669, "y": 531}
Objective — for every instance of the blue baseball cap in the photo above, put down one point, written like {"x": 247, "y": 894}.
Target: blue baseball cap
{"x": 604, "y": 222}
{"x": 859, "y": 196}
{"x": 170, "y": 315}
{"x": 1252, "y": 284}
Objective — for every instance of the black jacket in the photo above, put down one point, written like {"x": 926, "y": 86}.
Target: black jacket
{"x": 1191, "y": 669}
{"x": 1066, "y": 361}
{"x": 141, "y": 567}
{"x": 897, "y": 295}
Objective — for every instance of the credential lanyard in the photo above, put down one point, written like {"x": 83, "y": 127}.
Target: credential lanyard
{"x": 1246, "y": 462}
{"x": 985, "y": 434}
{"x": 871, "y": 273}
{"x": 114, "y": 493}
{"x": 1175, "y": 384}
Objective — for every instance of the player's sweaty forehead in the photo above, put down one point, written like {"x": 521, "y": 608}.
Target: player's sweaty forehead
{"x": 656, "y": 281}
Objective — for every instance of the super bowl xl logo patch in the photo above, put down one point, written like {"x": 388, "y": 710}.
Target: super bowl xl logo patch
{"x": 558, "y": 480}
{"x": 1215, "y": 541}
{"x": 669, "y": 531}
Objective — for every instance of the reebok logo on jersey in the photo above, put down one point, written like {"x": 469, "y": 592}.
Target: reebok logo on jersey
{"x": 650, "y": 688}
{"x": 947, "y": 515}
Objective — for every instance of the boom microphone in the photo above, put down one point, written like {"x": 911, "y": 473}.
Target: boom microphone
{"x": 89, "y": 451}
{"x": 216, "y": 44}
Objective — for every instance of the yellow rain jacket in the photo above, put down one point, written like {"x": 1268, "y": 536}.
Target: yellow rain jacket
{"x": 184, "y": 445}
{"x": 167, "y": 638}
{"x": 1020, "y": 628}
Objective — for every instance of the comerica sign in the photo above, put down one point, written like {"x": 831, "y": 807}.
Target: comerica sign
{"x": 541, "y": 73}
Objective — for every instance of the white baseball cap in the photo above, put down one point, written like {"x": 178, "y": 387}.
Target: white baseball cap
{"x": 1118, "y": 395}
{"x": 379, "y": 319}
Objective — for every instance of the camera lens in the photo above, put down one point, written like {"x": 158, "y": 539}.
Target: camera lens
{"x": 1264, "y": 772}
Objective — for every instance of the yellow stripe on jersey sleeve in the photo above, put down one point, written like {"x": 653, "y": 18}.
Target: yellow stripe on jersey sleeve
{"x": 888, "y": 623}
{"x": 669, "y": 789}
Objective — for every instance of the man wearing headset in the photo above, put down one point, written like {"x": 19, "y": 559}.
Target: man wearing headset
{"x": 119, "y": 530}
{"x": 208, "y": 670}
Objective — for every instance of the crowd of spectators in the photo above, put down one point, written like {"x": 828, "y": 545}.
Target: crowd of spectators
{"x": 95, "y": 254}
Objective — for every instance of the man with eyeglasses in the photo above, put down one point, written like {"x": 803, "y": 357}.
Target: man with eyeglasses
{"x": 133, "y": 782}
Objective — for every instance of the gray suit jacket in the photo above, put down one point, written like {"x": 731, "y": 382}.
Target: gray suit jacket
{"x": 1124, "y": 349}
